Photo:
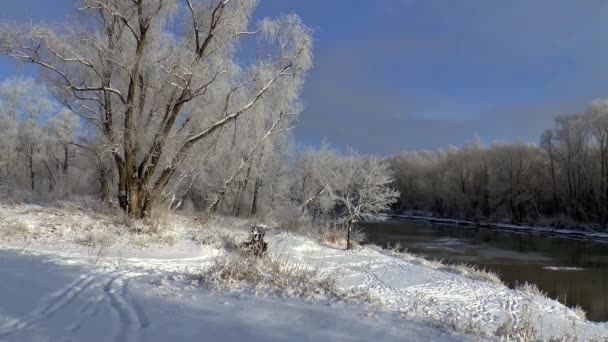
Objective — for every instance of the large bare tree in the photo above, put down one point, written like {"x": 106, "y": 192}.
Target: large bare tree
{"x": 159, "y": 77}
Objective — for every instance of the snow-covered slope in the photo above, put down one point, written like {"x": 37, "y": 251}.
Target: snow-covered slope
{"x": 42, "y": 300}
{"x": 421, "y": 291}
{"x": 135, "y": 289}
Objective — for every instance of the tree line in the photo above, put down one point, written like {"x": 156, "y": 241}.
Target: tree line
{"x": 563, "y": 179}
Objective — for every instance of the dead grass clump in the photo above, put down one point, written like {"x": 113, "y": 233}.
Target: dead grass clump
{"x": 462, "y": 324}
{"x": 242, "y": 270}
{"x": 530, "y": 289}
{"x": 95, "y": 238}
{"x": 335, "y": 236}
{"x": 146, "y": 239}
{"x": 474, "y": 272}
{"x": 518, "y": 326}
{"x": 582, "y": 314}
{"x": 219, "y": 238}
{"x": 97, "y": 242}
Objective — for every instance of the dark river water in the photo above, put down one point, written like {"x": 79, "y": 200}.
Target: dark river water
{"x": 572, "y": 271}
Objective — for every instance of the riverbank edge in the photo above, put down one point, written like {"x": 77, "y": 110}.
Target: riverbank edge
{"x": 526, "y": 229}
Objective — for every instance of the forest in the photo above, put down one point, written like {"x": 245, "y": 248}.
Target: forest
{"x": 563, "y": 179}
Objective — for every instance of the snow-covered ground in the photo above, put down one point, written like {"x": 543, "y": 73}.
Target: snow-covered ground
{"x": 67, "y": 281}
{"x": 42, "y": 300}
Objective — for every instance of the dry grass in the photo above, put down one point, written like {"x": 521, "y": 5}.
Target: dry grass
{"x": 465, "y": 270}
{"x": 462, "y": 324}
{"x": 97, "y": 241}
{"x": 582, "y": 314}
{"x": 334, "y": 236}
{"x": 15, "y": 231}
{"x": 530, "y": 289}
{"x": 242, "y": 270}
{"x": 95, "y": 238}
{"x": 534, "y": 291}
{"x": 473, "y": 272}
{"x": 518, "y": 326}
{"x": 75, "y": 223}
{"x": 219, "y": 238}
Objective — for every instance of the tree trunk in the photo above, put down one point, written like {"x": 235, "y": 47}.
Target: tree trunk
{"x": 137, "y": 201}
{"x": 123, "y": 200}
{"x": 242, "y": 188}
{"x": 30, "y": 163}
{"x": 256, "y": 191}
{"x": 554, "y": 184}
{"x": 104, "y": 184}
{"x": 349, "y": 244}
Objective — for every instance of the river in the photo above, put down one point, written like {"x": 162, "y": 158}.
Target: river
{"x": 573, "y": 271}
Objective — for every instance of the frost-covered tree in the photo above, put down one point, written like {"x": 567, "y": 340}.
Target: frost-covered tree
{"x": 161, "y": 79}
{"x": 362, "y": 186}
{"x": 24, "y": 105}
{"x": 352, "y": 188}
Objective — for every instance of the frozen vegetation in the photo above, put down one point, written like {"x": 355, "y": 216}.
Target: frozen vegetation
{"x": 77, "y": 273}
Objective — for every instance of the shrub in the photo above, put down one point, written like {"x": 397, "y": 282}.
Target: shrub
{"x": 97, "y": 241}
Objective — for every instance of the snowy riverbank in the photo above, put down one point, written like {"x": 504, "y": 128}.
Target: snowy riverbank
{"x": 397, "y": 295}
{"x": 560, "y": 232}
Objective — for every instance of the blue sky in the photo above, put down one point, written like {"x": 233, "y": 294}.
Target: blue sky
{"x": 394, "y": 75}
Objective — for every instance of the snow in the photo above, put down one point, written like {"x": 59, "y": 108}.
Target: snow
{"x": 46, "y": 301}
{"x": 562, "y": 268}
{"x": 53, "y": 286}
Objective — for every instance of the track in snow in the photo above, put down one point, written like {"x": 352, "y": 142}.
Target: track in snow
{"x": 85, "y": 298}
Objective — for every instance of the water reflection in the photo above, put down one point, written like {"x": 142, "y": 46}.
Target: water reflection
{"x": 574, "y": 272}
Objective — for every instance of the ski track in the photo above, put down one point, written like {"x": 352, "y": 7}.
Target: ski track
{"x": 56, "y": 302}
{"x": 130, "y": 321}
{"x": 104, "y": 290}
